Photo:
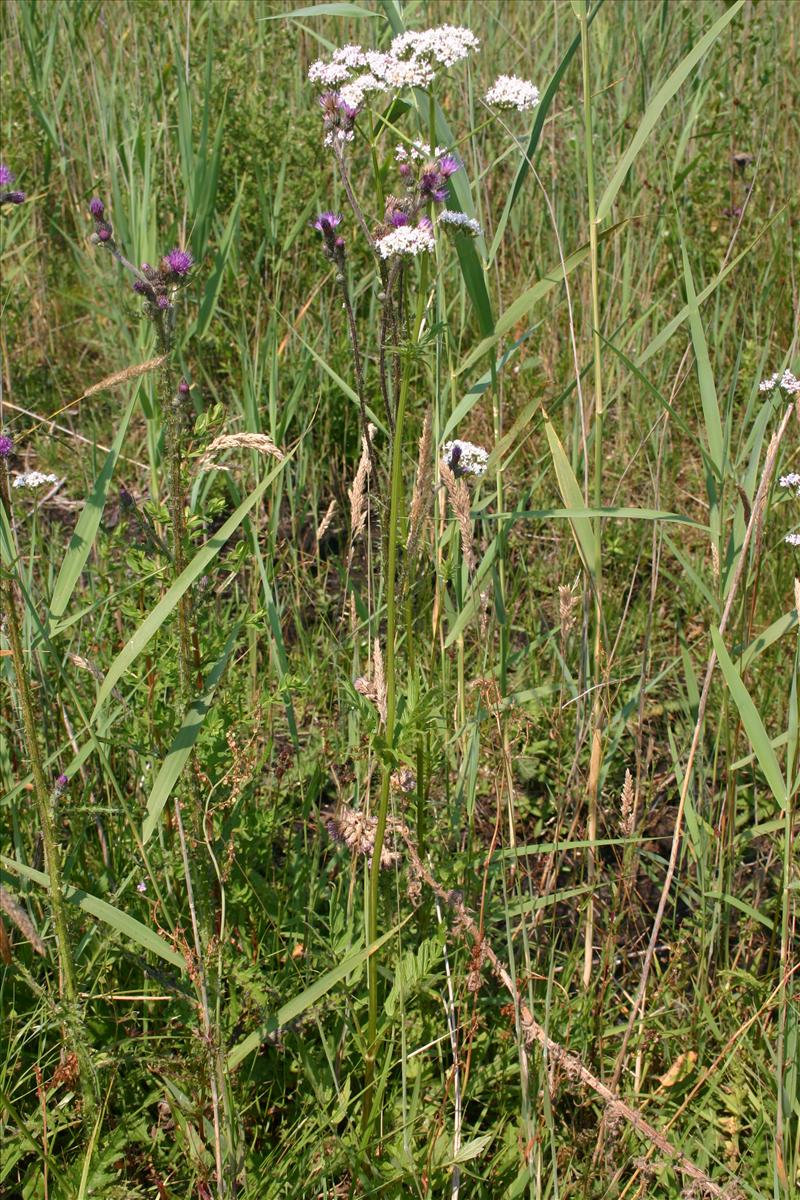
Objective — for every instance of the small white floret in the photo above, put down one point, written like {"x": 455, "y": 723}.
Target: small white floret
{"x": 508, "y": 91}
{"x": 33, "y": 479}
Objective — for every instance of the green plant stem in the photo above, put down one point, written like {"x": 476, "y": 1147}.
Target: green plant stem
{"x": 395, "y": 503}
{"x": 596, "y": 758}
{"x": 74, "y": 1023}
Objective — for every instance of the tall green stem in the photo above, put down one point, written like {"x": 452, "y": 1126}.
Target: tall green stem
{"x": 597, "y": 499}
{"x": 74, "y": 1021}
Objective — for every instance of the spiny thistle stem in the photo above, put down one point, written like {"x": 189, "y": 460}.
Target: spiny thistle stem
{"x": 74, "y": 1021}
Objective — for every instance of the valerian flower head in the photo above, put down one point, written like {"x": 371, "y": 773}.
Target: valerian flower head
{"x": 792, "y": 539}
{"x": 33, "y": 480}
{"x": 407, "y": 240}
{"x": 465, "y": 458}
{"x": 458, "y": 222}
{"x": 791, "y": 481}
{"x": 787, "y": 382}
{"x": 509, "y": 91}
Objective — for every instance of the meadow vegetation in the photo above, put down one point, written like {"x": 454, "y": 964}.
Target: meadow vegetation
{"x": 399, "y": 735}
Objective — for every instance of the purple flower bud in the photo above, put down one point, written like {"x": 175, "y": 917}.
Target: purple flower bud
{"x": 178, "y": 262}
{"x": 6, "y": 175}
{"x": 348, "y": 112}
{"x": 146, "y": 268}
{"x": 141, "y": 288}
{"x": 405, "y": 170}
{"x": 425, "y": 223}
{"x": 96, "y": 207}
{"x": 12, "y": 197}
{"x": 162, "y": 302}
{"x": 6, "y": 445}
{"x": 339, "y": 243}
{"x": 183, "y": 388}
{"x": 104, "y": 234}
{"x": 61, "y": 784}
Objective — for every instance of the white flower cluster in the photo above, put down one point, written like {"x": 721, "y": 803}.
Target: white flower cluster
{"x": 33, "y": 479}
{"x": 787, "y": 382}
{"x": 418, "y": 151}
{"x": 459, "y": 222}
{"x": 465, "y": 458}
{"x": 792, "y": 539}
{"x": 407, "y": 239}
{"x": 508, "y": 91}
{"x": 791, "y": 481}
{"x": 411, "y": 61}
{"x": 446, "y": 44}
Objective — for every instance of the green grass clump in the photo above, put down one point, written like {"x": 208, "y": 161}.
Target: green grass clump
{"x": 562, "y": 698}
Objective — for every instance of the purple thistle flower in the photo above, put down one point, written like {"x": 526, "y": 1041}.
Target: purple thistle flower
{"x": 178, "y": 262}
{"x": 448, "y": 165}
{"x": 146, "y": 268}
{"x": 326, "y": 222}
{"x": 162, "y": 302}
{"x": 6, "y": 175}
{"x": 96, "y": 207}
{"x": 398, "y": 218}
{"x": 6, "y": 445}
{"x": 104, "y": 234}
{"x": 348, "y": 112}
{"x": 140, "y": 287}
{"x": 183, "y": 388}
{"x": 329, "y": 103}
{"x": 405, "y": 171}
{"x": 61, "y": 784}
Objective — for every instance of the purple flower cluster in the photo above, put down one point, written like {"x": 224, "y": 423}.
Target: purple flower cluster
{"x": 6, "y": 445}
{"x": 332, "y": 244}
{"x": 7, "y": 177}
{"x": 156, "y": 284}
{"x": 103, "y": 232}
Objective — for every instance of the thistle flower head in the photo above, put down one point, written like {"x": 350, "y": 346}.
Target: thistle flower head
{"x": 140, "y": 287}
{"x": 96, "y": 207}
{"x": 104, "y": 233}
{"x": 6, "y": 445}
{"x": 326, "y": 222}
{"x": 12, "y": 197}
{"x": 6, "y": 175}
{"x": 61, "y": 784}
{"x": 163, "y": 303}
{"x": 448, "y": 165}
{"x": 177, "y": 262}
{"x": 183, "y": 387}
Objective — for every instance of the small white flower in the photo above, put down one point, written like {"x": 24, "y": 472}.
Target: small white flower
{"x": 141, "y": 886}
{"x": 465, "y": 458}
{"x": 459, "y": 222}
{"x": 790, "y": 481}
{"x": 790, "y": 383}
{"x": 353, "y": 93}
{"x": 412, "y": 72}
{"x": 407, "y": 239}
{"x": 418, "y": 151}
{"x": 33, "y": 479}
{"x": 349, "y": 56}
{"x": 787, "y": 382}
{"x": 328, "y": 74}
{"x": 508, "y": 91}
{"x": 338, "y": 137}
{"x": 792, "y": 539}
{"x": 446, "y": 44}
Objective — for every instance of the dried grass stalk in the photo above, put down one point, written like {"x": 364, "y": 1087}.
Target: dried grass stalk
{"x": 324, "y": 524}
{"x": 423, "y": 493}
{"x": 230, "y": 441}
{"x": 20, "y": 918}
{"x": 627, "y": 806}
{"x": 358, "y": 492}
{"x": 567, "y": 602}
{"x": 123, "y": 376}
{"x": 458, "y": 495}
